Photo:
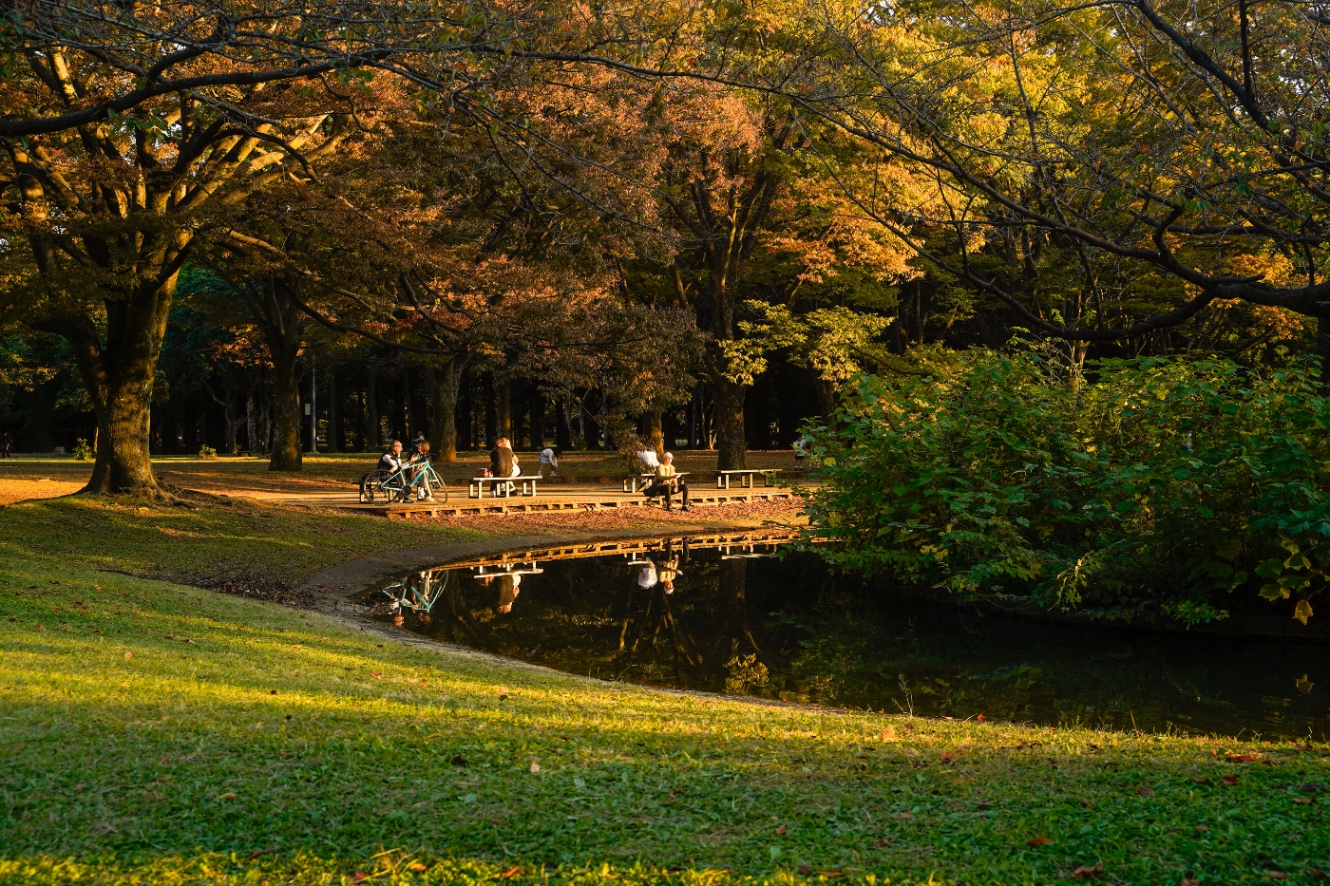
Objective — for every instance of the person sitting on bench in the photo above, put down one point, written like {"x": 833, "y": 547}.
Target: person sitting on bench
{"x": 667, "y": 483}
{"x": 391, "y": 461}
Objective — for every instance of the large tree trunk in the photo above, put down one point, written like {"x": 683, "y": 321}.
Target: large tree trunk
{"x": 731, "y": 447}
{"x": 443, "y": 406}
{"x": 286, "y": 455}
{"x": 118, "y": 374}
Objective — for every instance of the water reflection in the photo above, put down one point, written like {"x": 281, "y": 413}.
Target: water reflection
{"x": 724, "y": 613}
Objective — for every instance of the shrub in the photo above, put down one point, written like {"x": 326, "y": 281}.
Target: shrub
{"x": 1156, "y": 490}
{"x": 82, "y": 451}
{"x": 207, "y": 452}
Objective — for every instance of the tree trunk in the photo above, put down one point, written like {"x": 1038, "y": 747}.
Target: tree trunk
{"x": 655, "y": 435}
{"x": 443, "y": 408}
{"x": 731, "y": 448}
{"x": 286, "y": 455}
{"x": 826, "y": 396}
{"x": 505, "y": 408}
{"x": 373, "y": 433}
{"x": 334, "y": 425}
{"x": 563, "y": 425}
{"x": 537, "y": 414}
{"x": 251, "y": 429}
{"x": 39, "y": 419}
{"x": 118, "y": 375}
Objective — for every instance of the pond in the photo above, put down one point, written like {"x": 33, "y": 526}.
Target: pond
{"x": 741, "y": 614}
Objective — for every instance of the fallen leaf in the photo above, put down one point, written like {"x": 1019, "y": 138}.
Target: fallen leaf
{"x": 359, "y": 877}
{"x": 416, "y": 866}
{"x": 1230, "y": 779}
{"x": 1202, "y": 828}
{"x": 1318, "y": 874}
{"x": 511, "y": 872}
{"x": 832, "y": 874}
{"x": 535, "y": 767}
{"x": 1145, "y": 791}
{"x": 949, "y": 757}
{"x": 1276, "y": 875}
{"x": 376, "y": 674}
{"x": 783, "y": 830}
{"x": 1303, "y": 801}
{"x": 904, "y": 815}
{"x": 880, "y": 842}
{"x": 1038, "y": 841}
{"x": 980, "y": 718}
{"x": 459, "y": 760}
{"x": 888, "y": 734}
{"x": 1086, "y": 871}
{"x": 805, "y": 870}
{"x": 1187, "y": 881}
{"x": 227, "y": 796}
{"x": 129, "y": 655}
{"x": 1240, "y": 758}
{"x": 1310, "y": 788}
{"x": 1203, "y": 781}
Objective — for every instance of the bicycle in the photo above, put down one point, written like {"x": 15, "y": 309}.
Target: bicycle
{"x": 412, "y": 481}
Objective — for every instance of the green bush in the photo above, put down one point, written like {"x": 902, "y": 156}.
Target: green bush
{"x": 1159, "y": 489}
{"x": 207, "y": 452}
{"x": 82, "y": 451}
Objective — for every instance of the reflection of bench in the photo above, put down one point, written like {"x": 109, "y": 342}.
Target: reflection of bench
{"x": 497, "y": 569}
{"x": 498, "y": 486}
{"x": 746, "y": 477}
{"x": 640, "y": 481}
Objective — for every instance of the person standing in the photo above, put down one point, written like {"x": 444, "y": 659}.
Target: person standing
{"x": 6, "y": 444}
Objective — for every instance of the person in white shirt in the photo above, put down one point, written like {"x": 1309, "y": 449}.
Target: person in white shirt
{"x": 549, "y": 459}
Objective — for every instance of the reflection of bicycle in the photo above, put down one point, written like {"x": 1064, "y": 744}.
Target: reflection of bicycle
{"x": 411, "y": 482}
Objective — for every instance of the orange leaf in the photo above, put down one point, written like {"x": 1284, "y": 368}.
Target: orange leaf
{"x": 783, "y": 830}
{"x": 1276, "y": 875}
{"x": 511, "y": 872}
{"x": 1230, "y": 779}
{"x": 1085, "y": 872}
{"x": 359, "y": 877}
{"x": 1038, "y": 841}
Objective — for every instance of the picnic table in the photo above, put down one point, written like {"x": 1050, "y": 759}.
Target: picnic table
{"x": 745, "y": 477}
{"x": 498, "y": 486}
{"x": 637, "y": 481}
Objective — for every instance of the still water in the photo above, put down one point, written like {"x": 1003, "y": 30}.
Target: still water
{"x": 740, "y": 614}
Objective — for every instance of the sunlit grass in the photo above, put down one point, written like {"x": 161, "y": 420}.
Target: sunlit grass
{"x": 159, "y": 733}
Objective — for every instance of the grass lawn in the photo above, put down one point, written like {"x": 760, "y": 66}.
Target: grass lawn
{"x": 160, "y": 733}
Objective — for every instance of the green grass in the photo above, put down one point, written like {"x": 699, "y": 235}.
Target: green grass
{"x": 159, "y": 733}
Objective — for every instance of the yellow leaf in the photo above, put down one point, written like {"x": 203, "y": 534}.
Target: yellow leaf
{"x": 1302, "y": 611}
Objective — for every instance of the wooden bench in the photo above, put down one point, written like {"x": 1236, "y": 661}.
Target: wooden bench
{"x": 475, "y": 486}
{"x": 638, "y": 481}
{"x": 745, "y": 477}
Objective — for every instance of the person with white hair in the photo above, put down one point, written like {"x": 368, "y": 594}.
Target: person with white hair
{"x": 667, "y": 483}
